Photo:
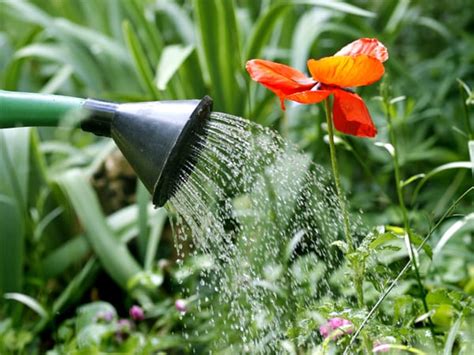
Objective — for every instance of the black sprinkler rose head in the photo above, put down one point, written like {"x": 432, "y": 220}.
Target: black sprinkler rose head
{"x": 157, "y": 138}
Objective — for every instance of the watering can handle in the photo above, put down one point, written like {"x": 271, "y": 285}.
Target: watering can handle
{"x": 19, "y": 109}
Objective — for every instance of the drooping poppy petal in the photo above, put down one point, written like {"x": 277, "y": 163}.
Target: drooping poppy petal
{"x": 346, "y": 71}
{"x": 309, "y": 96}
{"x": 351, "y": 116}
{"x": 279, "y": 78}
{"x": 368, "y": 46}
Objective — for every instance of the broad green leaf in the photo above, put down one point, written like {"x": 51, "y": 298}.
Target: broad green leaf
{"x": 382, "y": 239}
{"x": 91, "y": 336}
{"x": 78, "y": 247}
{"x": 438, "y": 297}
{"x": 90, "y": 313}
{"x": 171, "y": 59}
{"x": 115, "y": 257}
{"x": 443, "y": 316}
{"x": 26, "y": 11}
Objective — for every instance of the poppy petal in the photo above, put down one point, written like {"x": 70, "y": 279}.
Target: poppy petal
{"x": 309, "y": 96}
{"x": 279, "y": 78}
{"x": 346, "y": 71}
{"x": 368, "y": 46}
{"x": 351, "y": 116}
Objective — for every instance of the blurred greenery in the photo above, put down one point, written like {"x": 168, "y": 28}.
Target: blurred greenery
{"x": 61, "y": 257}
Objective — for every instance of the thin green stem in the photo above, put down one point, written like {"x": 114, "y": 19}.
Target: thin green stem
{"x": 403, "y": 208}
{"x": 337, "y": 179}
{"x": 358, "y": 275}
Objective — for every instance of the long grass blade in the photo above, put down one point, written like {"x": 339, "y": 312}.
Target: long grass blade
{"x": 28, "y": 301}
{"x": 139, "y": 58}
{"x": 114, "y": 256}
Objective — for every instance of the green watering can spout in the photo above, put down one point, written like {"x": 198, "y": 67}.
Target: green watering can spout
{"x": 157, "y": 138}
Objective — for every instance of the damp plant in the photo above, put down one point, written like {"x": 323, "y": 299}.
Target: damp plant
{"x": 359, "y": 63}
{"x": 63, "y": 260}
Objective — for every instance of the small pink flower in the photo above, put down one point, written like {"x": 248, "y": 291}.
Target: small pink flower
{"x": 136, "y": 313}
{"x": 324, "y": 330}
{"x": 180, "y": 305}
{"x": 329, "y": 329}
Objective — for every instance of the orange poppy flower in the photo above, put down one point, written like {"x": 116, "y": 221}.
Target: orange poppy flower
{"x": 357, "y": 64}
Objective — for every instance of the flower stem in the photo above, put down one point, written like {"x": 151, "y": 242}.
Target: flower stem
{"x": 358, "y": 278}
{"x": 337, "y": 179}
{"x": 403, "y": 208}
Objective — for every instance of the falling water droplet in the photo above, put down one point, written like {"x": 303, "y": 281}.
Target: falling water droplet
{"x": 265, "y": 217}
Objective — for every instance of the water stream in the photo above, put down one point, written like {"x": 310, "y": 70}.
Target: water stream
{"x": 261, "y": 217}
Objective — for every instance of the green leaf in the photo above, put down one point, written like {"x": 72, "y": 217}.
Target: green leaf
{"x": 139, "y": 58}
{"x": 15, "y": 147}
{"x": 179, "y": 17}
{"x": 339, "y": 6}
{"x": 452, "y": 231}
{"x": 92, "y": 335}
{"x": 443, "y": 315}
{"x": 58, "y": 80}
{"x": 158, "y": 223}
{"x": 219, "y": 51}
{"x": 150, "y": 35}
{"x": 439, "y": 169}
{"x": 263, "y": 28}
{"x": 104, "y": 44}
{"x": 171, "y": 59}
{"x": 342, "y": 245}
{"x": 438, "y": 297}
{"x": 11, "y": 245}
{"x": 29, "y": 302}
{"x": 382, "y": 239}
{"x": 28, "y": 12}
{"x": 115, "y": 257}
{"x": 75, "y": 289}
{"x": 90, "y": 313}
{"x": 448, "y": 346}
{"x": 148, "y": 279}
{"x": 143, "y": 200}
{"x": 417, "y": 240}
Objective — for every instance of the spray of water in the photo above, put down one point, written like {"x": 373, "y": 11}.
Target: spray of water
{"x": 264, "y": 217}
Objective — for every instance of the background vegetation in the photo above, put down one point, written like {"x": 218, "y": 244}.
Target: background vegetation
{"x": 78, "y": 238}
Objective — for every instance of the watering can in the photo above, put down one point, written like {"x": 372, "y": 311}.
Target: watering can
{"x": 157, "y": 138}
